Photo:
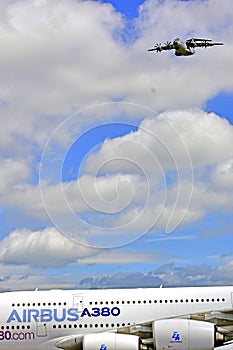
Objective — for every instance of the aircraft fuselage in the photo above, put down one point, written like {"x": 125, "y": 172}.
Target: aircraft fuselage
{"x": 181, "y": 49}
{"x": 40, "y": 319}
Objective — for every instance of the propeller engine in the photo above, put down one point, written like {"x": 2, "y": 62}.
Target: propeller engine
{"x": 168, "y": 44}
{"x": 158, "y": 47}
{"x": 191, "y": 43}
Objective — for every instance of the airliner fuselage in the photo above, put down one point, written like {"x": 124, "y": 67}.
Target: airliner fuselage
{"x": 57, "y": 318}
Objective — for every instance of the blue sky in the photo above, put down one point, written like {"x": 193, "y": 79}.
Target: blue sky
{"x": 129, "y": 8}
{"x": 222, "y": 105}
{"x": 116, "y": 163}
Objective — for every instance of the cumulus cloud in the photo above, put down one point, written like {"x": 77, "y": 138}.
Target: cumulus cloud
{"x": 165, "y": 173}
{"x": 31, "y": 281}
{"x": 49, "y": 248}
{"x": 223, "y": 273}
{"x": 172, "y": 139}
{"x": 167, "y": 274}
{"x": 40, "y": 249}
{"x": 52, "y": 62}
{"x": 193, "y": 81}
{"x": 60, "y": 57}
{"x": 13, "y": 173}
{"x": 67, "y": 55}
{"x": 222, "y": 176}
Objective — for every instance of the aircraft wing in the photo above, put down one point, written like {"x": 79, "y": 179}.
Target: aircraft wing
{"x": 159, "y": 47}
{"x": 222, "y": 321}
{"x": 207, "y": 44}
{"x": 201, "y": 43}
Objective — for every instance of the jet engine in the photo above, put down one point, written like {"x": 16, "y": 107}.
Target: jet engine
{"x": 110, "y": 341}
{"x": 182, "y": 334}
{"x": 168, "y": 334}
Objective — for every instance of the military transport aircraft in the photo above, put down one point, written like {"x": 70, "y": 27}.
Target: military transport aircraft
{"x": 193, "y": 318}
{"x": 186, "y": 48}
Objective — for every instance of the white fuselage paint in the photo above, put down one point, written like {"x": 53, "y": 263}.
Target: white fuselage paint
{"x": 34, "y": 320}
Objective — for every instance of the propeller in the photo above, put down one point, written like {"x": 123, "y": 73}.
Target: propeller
{"x": 168, "y": 44}
{"x": 158, "y": 47}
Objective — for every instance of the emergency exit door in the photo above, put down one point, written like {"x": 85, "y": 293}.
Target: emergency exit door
{"x": 78, "y": 302}
{"x": 41, "y": 328}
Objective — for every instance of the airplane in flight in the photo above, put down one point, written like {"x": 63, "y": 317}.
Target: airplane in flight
{"x": 187, "y": 318}
{"x": 186, "y": 48}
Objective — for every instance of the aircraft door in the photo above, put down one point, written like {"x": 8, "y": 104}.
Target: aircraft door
{"x": 78, "y": 302}
{"x": 41, "y": 329}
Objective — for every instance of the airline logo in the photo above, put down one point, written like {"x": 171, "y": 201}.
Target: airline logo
{"x": 176, "y": 337}
{"x": 59, "y": 315}
{"x": 43, "y": 315}
{"x": 103, "y": 347}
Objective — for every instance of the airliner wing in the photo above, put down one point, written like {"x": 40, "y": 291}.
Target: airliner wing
{"x": 222, "y": 320}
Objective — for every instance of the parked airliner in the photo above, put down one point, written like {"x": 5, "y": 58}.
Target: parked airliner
{"x": 194, "y": 318}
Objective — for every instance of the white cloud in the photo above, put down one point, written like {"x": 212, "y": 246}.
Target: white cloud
{"x": 223, "y": 273}
{"x": 48, "y": 248}
{"x": 59, "y": 49}
{"x": 45, "y": 248}
{"x": 65, "y": 56}
{"x": 222, "y": 177}
{"x": 169, "y": 140}
{"x": 181, "y": 83}
{"x": 181, "y": 142}
{"x": 12, "y": 174}
{"x": 167, "y": 275}
{"x": 29, "y": 281}
{"x": 60, "y": 57}
{"x": 121, "y": 257}
{"x": 144, "y": 178}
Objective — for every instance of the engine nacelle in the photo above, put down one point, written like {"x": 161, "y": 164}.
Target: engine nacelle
{"x": 182, "y": 334}
{"x": 110, "y": 341}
